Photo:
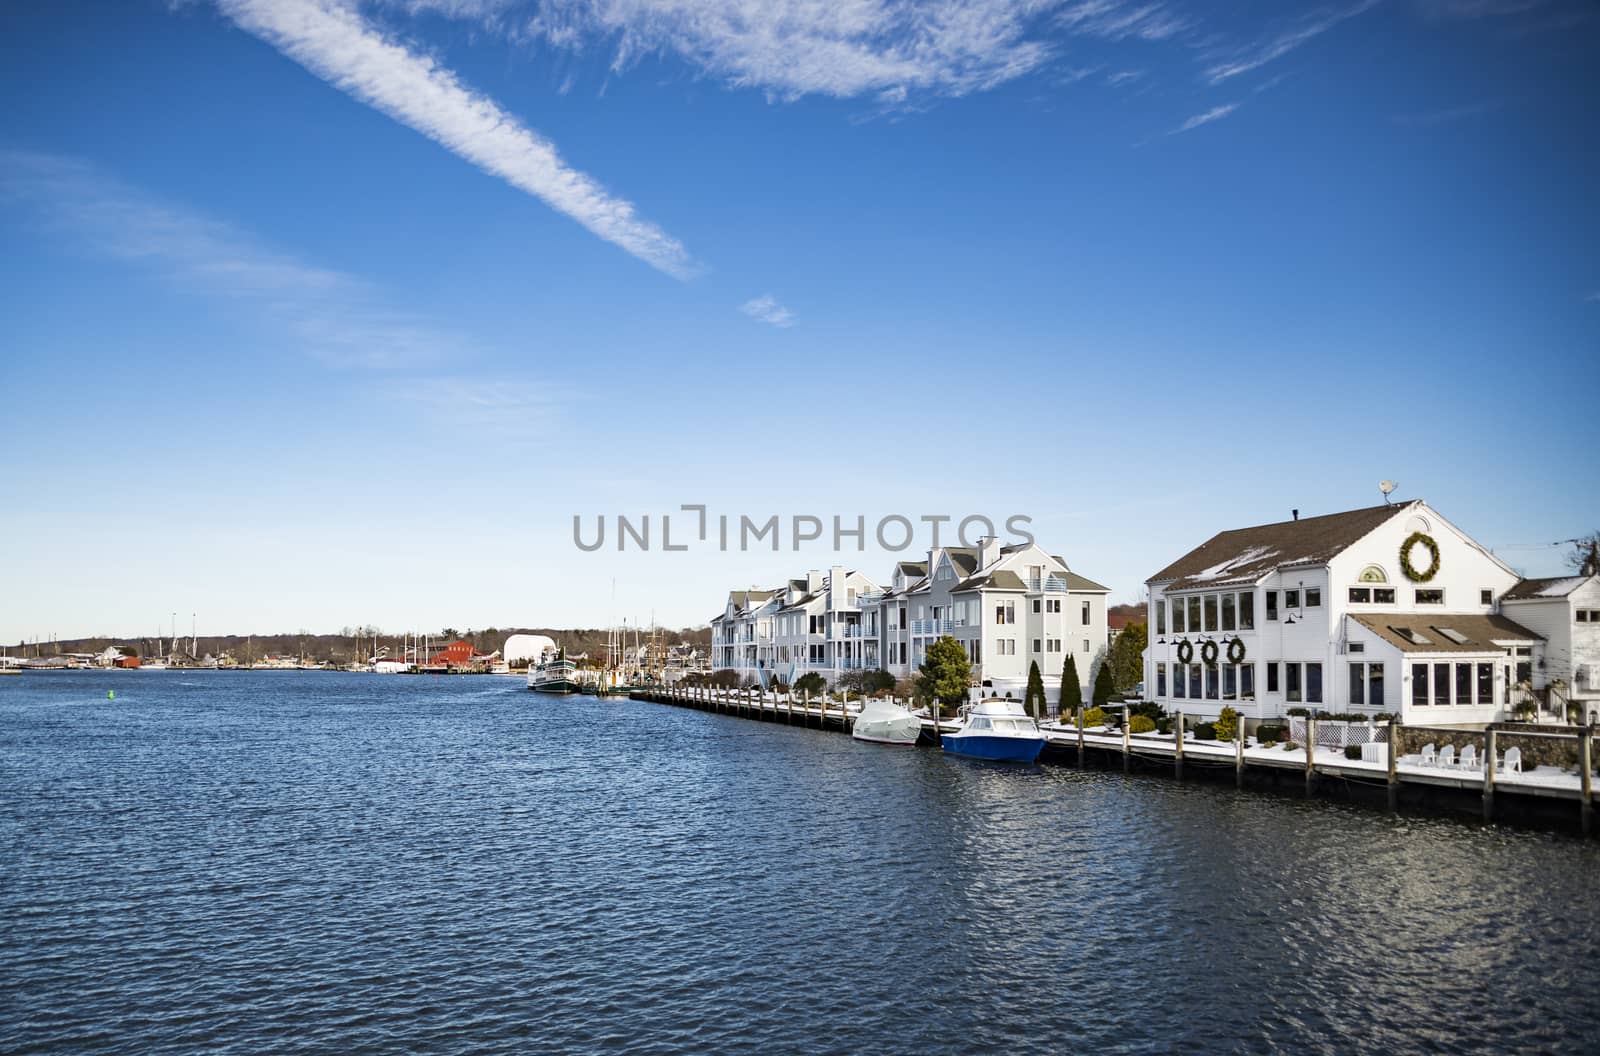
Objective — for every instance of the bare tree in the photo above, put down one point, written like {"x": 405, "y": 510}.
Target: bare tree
{"x": 1584, "y": 557}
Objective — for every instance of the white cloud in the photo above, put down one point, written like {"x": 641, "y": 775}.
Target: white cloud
{"x": 1121, "y": 19}
{"x": 766, "y": 309}
{"x": 336, "y": 44}
{"x": 1216, "y": 113}
{"x": 841, "y": 48}
{"x": 1595, "y": 296}
{"x": 337, "y": 317}
{"x": 1310, "y": 27}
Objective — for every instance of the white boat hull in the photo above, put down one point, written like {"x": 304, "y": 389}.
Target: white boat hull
{"x": 883, "y": 723}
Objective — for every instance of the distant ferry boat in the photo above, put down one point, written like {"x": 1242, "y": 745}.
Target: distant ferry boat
{"x": 554, "y": 674}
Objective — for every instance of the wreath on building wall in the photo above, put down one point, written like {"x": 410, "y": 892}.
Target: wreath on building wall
{"x": 1185, "y": 652}
{"x": 1236, "y": 651}
{"x": 1208, "y": 653}
{"x": 1408, "y": 568}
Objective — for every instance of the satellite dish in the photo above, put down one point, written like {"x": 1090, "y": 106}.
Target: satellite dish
{"x": 1386, "y": 486}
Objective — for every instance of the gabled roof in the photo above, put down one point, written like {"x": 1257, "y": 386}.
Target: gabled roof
{"x": 1556, "y": 587}
{"x": 1076, "y": 582}
{"x": 749, "y": 599}
{"x": 1000, "y": 579}
{"x": 963, "y": 559}
{"x": 1425, "y": 632}
{"x": 1244, "y": 555}
{"x": 913, "y": 568}
{"x": 799, "y": 603}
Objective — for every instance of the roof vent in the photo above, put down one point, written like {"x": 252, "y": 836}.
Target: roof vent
{"x": 1296, "y": 514}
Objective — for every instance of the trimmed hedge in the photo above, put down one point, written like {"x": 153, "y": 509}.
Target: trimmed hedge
{"x": 1141, "y": 724}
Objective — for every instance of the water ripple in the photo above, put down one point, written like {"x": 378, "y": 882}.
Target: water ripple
{"x": 304, "y": 863}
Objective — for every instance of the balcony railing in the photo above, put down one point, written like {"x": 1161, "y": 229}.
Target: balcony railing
{"x": 1049, "y": 584}
{"x": 932, "y": 626}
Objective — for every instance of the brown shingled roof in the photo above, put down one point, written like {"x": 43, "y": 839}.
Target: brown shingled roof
{"x": 1244, "y": 555}
{"x": 1003, "y": 579}
{"x": 1077, "y": 582}
{"x": 1424, "y": 632}
{"x": 1554, "y": 587}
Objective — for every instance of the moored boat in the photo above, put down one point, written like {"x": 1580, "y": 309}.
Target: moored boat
{"x": 998, "y": 730}
{"x": 885, "y": 722}
{"x": 554, "y": 674}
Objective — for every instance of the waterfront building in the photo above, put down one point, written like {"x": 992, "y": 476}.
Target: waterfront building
{"x": 1009, "y": 606}
{"x": 1566, "y": 612}
{"x": 813, "y": 623}
{"x": 1389, "y": 609}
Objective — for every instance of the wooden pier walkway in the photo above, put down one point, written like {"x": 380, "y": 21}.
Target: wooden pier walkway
{"x": 1400, "y": 779}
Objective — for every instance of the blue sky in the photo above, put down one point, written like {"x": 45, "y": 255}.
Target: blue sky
{"x": 322, "y": 314}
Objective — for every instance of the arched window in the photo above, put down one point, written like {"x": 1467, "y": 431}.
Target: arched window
{"x": 1373, "y": 574}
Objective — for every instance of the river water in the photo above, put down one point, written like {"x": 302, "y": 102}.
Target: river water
{"x": 296, "y": 862}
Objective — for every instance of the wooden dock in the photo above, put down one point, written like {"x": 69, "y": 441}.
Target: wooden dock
{"x": 1547, "y": 796}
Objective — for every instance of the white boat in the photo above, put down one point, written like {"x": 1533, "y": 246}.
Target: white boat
{"x": 885, "y": 722}
{"x": 996, "y": 729}
{"x": 153, "y": 665}
{"x": 554, "y": 674}
{"x": 390, "y": 667}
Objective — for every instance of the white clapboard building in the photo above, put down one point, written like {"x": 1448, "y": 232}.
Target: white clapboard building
{"x": 1390, "y": 609}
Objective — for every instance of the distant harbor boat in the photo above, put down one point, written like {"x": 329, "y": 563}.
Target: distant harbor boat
{"x": 554, "y": 674}
{"x": 998, "y": 730}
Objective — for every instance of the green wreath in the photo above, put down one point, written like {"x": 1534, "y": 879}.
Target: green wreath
{"x": 1185, "y": 652}
{"x": 1236, "y": 651}
{"x": 1208, "y": 653}
{"x": 1410, "y": 570}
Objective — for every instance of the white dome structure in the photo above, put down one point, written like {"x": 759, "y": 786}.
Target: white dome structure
{"x": 520, "y": 647}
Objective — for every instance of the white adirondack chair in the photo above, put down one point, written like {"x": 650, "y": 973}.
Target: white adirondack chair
{"x": 1469, "y": 758}
{"x": 1429, "y": 755}
{"x": 1513, "y": 761}
{"x": 1447, "y": 757}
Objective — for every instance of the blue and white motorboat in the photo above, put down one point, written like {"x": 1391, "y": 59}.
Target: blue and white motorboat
{"x": 998, "y": 730}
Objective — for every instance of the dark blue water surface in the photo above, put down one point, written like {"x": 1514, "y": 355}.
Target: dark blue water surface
{"x": 320, "y": 863}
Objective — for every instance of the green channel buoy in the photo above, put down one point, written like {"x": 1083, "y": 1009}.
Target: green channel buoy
{"x": 111, "y": 694}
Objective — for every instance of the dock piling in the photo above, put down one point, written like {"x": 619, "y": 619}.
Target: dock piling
{"x": 1585, "y": 778}
{"x": 1394, "y": 761}
{"x": 1238, "y": 755}
{"x": 1488, "y": 774}
{"x": 1127, "y": 752}
{"x": 1311, "y": 753}
{"x": 1177, "y": 748}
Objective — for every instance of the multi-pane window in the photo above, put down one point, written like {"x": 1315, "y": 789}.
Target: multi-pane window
{"x": 1430, "y": 597}
{"x": 1292, "y": 682}
{"x": 1036, "y": 644}
{"x": 1161, "y": 616}
{"x": 1441, "y": 685}
{"x": 1053, "y": 645}
{"x": 1194, "y": 613}
{"x": 1052, "y": 605}
{"x": 1086, "y": 614}
{"x": 1211, "y": 682}
{"x": 1179, "y": 689}
{"x": 1161, "y": 679}
{"x": 1247, "y": 611}
{"x": 1313, "y": 597}
{"x": 1463, "y": 685}
{"x": 1005, "y": 613}
{"x": 1272, "y": 605}
{"x": 1272, "y": 677}
{"x": 1177, "y": 616}
{"x": 1247, "y": 681}
{"x": 1485, "y": 597}
{"x": 1485, "y": 683}
{"x": 1313, "y": 683}
{"x": 1230, "y": 614}
{"x": 1366, "y": 685}
{"x": 1383, "y": 595}
{"x": 1194, "y": 681}
{"x": 1037, "y": 605}
{"x": 1211, "y": 612}
{"x": 1291, "y": 599}
{"x": 1360, "y": 595}
{"x": 1230, "y": 681}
